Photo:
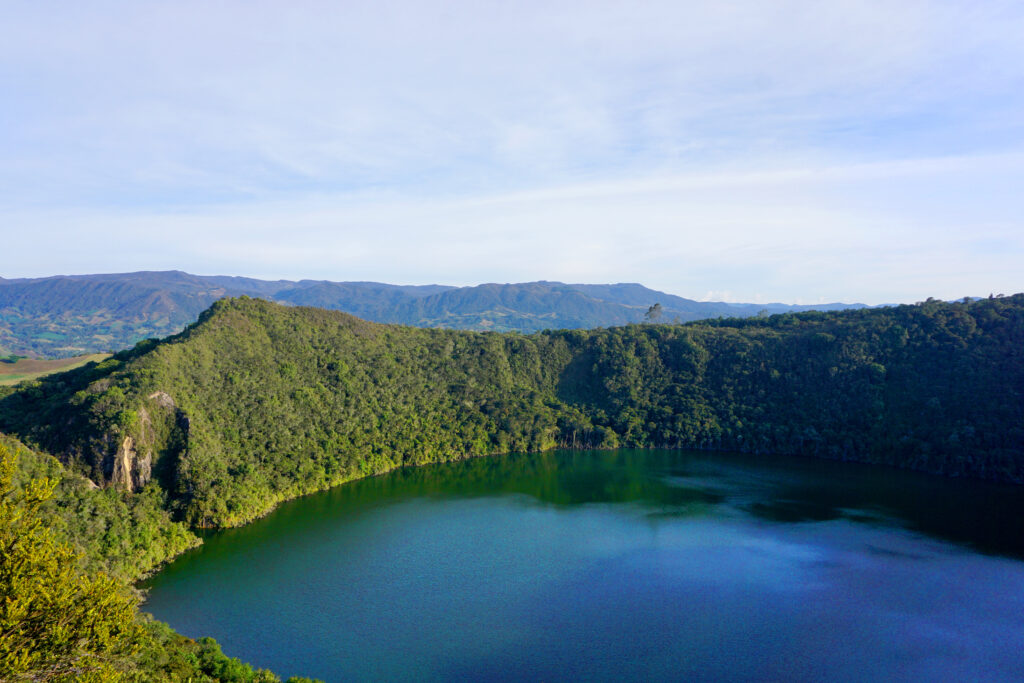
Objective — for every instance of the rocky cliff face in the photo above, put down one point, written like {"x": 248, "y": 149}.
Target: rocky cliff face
{"x": 130, "y": 471}
{"x": 131, "y": 466}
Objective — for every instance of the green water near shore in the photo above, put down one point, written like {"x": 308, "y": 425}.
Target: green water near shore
{"x": 620, "y": 565}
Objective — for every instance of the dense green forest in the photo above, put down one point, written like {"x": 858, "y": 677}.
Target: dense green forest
{"x": 257, "y": 403}
{"x": 62, "y": 617}
{"x": 65, "y": 316}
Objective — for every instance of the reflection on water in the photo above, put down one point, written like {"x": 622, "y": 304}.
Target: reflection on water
{"x": 635, "y": 565}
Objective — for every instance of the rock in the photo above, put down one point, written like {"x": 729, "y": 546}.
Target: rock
{"x": 162, "y": 399}
{"x": 121, "y": 476}
{"x": 130, "y": 472}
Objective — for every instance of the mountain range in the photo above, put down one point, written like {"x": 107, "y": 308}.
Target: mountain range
{"x": 67, "y": 315}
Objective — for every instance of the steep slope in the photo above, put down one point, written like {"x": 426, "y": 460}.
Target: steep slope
{"x": 257, "y": 402}
{"x": 65, "y": 618}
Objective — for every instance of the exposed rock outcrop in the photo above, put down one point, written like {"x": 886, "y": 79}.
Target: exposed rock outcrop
{"x": 162, "y": 399}
{"x": 131, "y": 472}
{"x": 162, "y": 432}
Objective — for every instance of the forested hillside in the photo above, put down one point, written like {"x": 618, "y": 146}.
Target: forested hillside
{"x": 63, "y": 617}
{"x": 258, "y": 402}
{"x": 65, "y": 316}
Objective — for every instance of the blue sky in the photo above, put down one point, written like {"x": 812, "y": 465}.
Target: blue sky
{"x": 739, "y": 150}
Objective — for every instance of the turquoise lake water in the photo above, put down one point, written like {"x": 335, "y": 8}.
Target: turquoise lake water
{"x": 620, "y": 565}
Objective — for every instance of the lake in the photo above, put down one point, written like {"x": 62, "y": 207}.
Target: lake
{"x": 620, "y": 565}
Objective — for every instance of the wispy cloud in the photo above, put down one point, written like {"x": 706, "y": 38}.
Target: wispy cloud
{"x": 789, "y": 149}
{"x": 809, "y": 234}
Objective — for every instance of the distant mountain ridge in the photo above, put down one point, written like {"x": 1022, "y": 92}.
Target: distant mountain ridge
{"x": 65, "y": 315}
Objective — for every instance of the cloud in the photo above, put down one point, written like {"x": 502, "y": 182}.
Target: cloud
{"x": 173, "y": 98}
{"x": 807, "y": 234}
{"x": 789, "y": 149}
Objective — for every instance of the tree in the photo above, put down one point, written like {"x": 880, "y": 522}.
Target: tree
{"x": 56, "y": 622}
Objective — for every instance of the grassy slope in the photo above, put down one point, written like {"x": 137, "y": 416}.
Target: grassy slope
{"x": 32, "y": 368}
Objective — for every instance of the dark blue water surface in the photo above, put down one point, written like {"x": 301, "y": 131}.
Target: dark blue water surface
{"x": 620, "y": 565}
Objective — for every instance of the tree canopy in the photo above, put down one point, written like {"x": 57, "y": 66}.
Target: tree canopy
{"x": 56, "y": 622}
{"x": 257, "y": 403}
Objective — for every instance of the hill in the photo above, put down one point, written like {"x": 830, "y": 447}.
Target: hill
{"x": 257, "y": 402}
{"x": 72, "y": 315}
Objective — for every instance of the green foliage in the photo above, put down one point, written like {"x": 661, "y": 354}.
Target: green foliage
{"x": 258, "y": 403}
{"x": 56, "y": 622}
{"x": 123, "y": 535}
{"x": 170, "y": 657}
{"x": 60, "y": 622}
